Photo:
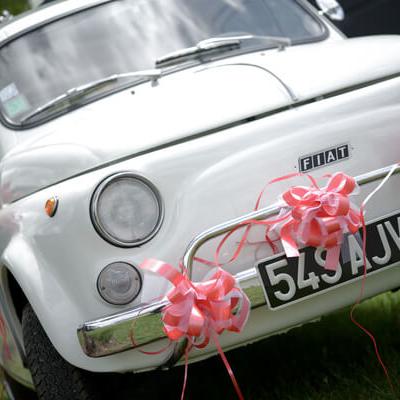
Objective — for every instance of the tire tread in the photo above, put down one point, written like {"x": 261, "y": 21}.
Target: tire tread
{"x": 53, "y": 377}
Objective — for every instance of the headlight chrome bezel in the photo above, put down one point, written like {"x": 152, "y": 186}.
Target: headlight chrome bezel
{"x": 94, "y": 215}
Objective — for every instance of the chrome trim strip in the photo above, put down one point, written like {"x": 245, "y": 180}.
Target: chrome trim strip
{"x": 264, "y": 213}
{"x": 287, "y": 87}
{"x": 142, "y": 325}
{"x": 95, "y": 336}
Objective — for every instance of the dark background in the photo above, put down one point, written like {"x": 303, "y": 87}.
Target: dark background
{"x": 370, "y": 17}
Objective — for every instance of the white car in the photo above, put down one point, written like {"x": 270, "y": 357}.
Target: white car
{"x": 139, "y": 129}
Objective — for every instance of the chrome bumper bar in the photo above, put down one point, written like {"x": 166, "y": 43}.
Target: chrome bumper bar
{"x": 112, "y": 334}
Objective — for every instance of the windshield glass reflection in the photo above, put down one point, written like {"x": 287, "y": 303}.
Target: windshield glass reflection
{"x": 129, "y": 35}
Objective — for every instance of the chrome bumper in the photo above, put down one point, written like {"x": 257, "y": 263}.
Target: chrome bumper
{"x": 112, "y": 334}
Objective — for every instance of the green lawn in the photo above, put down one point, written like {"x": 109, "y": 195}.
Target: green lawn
{"x": 328, "y": 360}
{"x": 14, "y": 6}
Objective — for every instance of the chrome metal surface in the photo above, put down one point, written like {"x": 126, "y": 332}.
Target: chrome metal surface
{"x": 332, "y": 9}
{"x": 76, "y": 93}
{"x": 280, "y": 42}
{"x": 264, "y": 213}
{"x": 290, "y": 91}
{"x": 215, "y": 43}
{"x": 225, "y": 227}
{"x": 96, "y": 220}
{"x": 5, "y": 16}
{"x": 113, "y": 334}
{"x": 142, "y": 325}
{"x": 197, "y": 51}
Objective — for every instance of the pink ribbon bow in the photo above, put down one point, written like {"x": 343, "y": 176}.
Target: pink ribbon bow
{"x": 198, "y": 309}
{"x": 311, "y": 216}
{"x": 319, "y": 217}
{"x": 201, "y": 310}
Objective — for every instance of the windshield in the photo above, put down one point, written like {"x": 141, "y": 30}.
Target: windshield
{"x": 130, "y": 35}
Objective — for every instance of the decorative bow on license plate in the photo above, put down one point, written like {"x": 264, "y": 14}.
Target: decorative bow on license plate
{"x": 288, "y": 280}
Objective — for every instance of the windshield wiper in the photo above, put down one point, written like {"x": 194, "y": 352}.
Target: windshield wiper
{"x": 76, "y": 93}
{"x": 216, "y": 45}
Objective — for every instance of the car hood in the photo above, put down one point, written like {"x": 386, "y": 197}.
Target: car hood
{"x": 191, "y": 103}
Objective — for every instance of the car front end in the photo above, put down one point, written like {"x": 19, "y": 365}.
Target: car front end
{"x": 94, "y": 186}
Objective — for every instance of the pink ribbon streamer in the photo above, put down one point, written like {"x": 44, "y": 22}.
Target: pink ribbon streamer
{"x": 309, "y": 216}
{"x": 364, "y": 279}
{"x": 200, "y": 311}
{"x": 319, "y": 217}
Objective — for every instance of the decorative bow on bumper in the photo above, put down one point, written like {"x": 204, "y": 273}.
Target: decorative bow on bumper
{"x": 113, "y": 334}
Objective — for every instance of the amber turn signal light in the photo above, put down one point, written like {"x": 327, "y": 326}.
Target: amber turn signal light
{"x": 51, "y": 206}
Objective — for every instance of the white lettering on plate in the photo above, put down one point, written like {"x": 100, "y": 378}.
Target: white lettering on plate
{"x": 302, "y": 281}
{"x": 393, "y": 233}
{"x": 277, "y": 278}
{"x": 330, "y": 279}
{"x": 388, "y": 251}
{"x": 356, "y": 255}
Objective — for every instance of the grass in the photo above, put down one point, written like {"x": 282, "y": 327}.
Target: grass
{"x": 14, "y": 6}
{"x": 328, "y": 360}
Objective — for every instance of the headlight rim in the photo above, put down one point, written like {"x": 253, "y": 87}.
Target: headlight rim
{"x": 94, "y": 209}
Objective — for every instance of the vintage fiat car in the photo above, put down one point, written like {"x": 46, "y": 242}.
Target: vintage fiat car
{"x": 138, "y": 129}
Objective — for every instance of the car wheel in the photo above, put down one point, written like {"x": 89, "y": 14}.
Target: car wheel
{"x": 53, "y": 377}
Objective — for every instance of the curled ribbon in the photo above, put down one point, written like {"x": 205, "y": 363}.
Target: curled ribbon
{"x": 319, "y": 217}
{"x": 199, "y": 311}
{"x": 309, "y": 216}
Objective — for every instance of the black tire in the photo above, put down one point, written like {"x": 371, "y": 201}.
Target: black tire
{"x": 53, "y": 377}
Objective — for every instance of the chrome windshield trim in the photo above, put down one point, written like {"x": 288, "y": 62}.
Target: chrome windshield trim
{"x": 94, "y": 336}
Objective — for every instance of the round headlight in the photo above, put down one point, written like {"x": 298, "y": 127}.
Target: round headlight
{"x": 126, "y": 210}
{"x": 119, "y": 283}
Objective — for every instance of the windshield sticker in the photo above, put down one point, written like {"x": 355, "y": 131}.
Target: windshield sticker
{"x": 16, "y": 105}
{"x": 8, "y": 92}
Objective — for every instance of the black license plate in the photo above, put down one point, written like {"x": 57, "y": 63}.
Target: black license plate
{"x": 288, "y": 280}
